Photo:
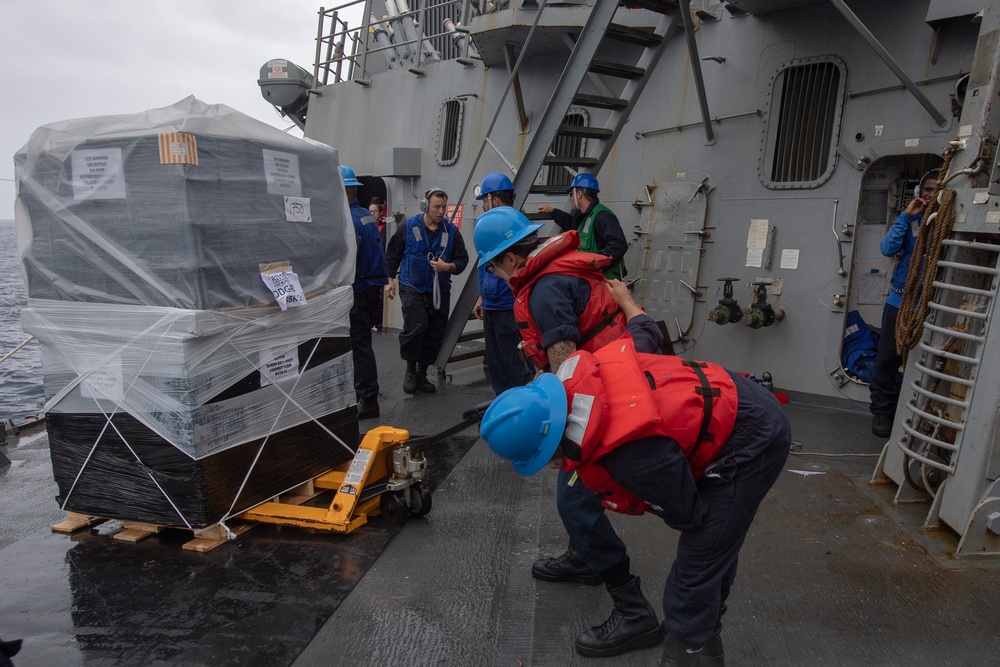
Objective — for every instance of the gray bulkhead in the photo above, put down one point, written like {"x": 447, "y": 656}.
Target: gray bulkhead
{"x": 662, "y": 150}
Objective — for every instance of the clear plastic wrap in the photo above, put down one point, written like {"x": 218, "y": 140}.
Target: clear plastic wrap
{"x": 184, "y": 383}
{"x": 163, "y": 366}
{"x": 177, "y": 207}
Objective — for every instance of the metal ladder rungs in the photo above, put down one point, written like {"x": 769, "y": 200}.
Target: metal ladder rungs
{"x": 585, "y": 131}
{"x": 619, "y": 70}
{"x": 650, "y": 5}
{"x": 927, "y": 393}
{"x": 941, "y": 421}
{"x": 624, "y": 33}
{"x": 972, "y": 245}
{"x": 951, "y": 287}
{"x": 949, "y": 355}
{"x": 943, "y": 376}
{"x": 928, "y": 439}
{"x": 547, "y": 190}
{"x": 602, "y": 102}
{"x": 570, "y": 161}
{"x": 933, "y": 305}
{"x": 944, "y": 331}
{"x": 971, "y": 268}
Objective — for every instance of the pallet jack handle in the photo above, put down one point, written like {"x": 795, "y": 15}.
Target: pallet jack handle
{"x": 471, "y": 416}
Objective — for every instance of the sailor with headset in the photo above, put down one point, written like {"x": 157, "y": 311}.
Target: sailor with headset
{"x": 425, "y": 251}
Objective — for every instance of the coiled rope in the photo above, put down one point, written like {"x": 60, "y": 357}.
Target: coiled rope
{"x": 935, "y": 227}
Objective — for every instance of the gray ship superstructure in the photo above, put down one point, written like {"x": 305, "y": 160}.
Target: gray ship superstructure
{"x": 755, "y": 152}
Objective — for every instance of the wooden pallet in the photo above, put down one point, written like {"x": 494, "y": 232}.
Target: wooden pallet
{"x": 204, "y": 540}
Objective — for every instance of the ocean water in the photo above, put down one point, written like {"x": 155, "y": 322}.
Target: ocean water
{"x": 21, "y": 375}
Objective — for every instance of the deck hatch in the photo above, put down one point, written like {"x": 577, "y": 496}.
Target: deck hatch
{"x": 802, "y": 125}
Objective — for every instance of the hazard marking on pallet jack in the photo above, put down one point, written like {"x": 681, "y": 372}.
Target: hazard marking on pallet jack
{"x": 349, "y": 490}
{"x": 356, "y": 472}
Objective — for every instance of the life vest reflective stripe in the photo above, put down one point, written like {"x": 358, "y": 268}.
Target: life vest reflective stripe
{"x": 628, "y": 396}
{"x": 415, "y": 269}
{"x": 601, "y": 321}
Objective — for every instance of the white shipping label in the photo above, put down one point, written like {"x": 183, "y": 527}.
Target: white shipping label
{"x": 106, "y": 383}
{"x": 286, "y": 288}
{"x": 97, "y": 174}
{"x": 356, "y": 473}
{"x": 282, "y": 173}
{"x": 297, "y": 209}
{"x": 282, "y": 367}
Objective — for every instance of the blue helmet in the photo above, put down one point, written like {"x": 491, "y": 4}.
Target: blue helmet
{"x": 349, "y": 178}
{"x": 495, "y": 182}
{"x": 584, "y": 181}
{"x": 525, "y": 424}
{"x": 498, "y": 229}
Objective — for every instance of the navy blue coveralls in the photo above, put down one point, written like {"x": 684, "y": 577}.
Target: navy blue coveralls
{"x": 408, "y": 253}
{"x": 508, "y": 365}
{"x": 369, "y": 278}
{"x": 713, "y": 515}
{"x": 556, "y": 305}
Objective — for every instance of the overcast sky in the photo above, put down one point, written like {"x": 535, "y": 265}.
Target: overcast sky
{"x": 77, "y": 58}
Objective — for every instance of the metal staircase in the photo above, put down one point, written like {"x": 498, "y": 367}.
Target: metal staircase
{"x": 600, "y": 35}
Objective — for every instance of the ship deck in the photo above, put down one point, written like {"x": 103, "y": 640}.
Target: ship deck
{"x": 832, "y": 572}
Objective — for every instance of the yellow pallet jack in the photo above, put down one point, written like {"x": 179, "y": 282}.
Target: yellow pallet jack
{"x": 384, "y": 477}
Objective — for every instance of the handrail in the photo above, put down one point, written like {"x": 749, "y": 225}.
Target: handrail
{"x": 361, "y": 37}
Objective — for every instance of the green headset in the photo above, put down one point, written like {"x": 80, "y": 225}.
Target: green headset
{"x": 424, "y": 203}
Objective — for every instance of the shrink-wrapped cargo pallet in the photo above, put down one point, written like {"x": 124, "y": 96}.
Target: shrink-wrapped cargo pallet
{"x": 189, "y": 277}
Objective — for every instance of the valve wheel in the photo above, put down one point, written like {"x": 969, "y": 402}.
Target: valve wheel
{"x": 420, "y": 500}
{"x": 393, "y": 506}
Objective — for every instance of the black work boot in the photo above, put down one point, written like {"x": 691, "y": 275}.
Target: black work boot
{"x": 567, "y": 567}
{"x": 410, "y": 379}
{"x": 713, "y": 655}
{"x": 423, "y": 384}
{"x": 677, "y": 653}
{"x": 632, "y": 625}
{"x": 368, "y": 407}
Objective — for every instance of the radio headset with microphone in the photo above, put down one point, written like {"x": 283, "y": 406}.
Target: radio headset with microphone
{"x": 919, "y": 187}
{"x": 424, "y": 203}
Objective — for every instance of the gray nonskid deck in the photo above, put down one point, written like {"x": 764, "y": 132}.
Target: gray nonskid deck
{"x": 827, "y": 576}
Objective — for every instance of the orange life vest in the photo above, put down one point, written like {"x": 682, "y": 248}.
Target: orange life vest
{"x": 617, "y": 395}
{"x": 601, "y": 322}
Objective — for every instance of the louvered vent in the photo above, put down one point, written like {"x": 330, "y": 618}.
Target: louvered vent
{"x": 566, "y": 146}
{"x": 449, "y": 132}
{"x": 803, "y": 124}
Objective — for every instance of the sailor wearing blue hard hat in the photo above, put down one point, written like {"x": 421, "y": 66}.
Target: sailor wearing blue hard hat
{"x": 369, "y": 278}
{"x": 690, "y": 442}
{"x": 495, "y": 306}
{"x": 599, "y": 228}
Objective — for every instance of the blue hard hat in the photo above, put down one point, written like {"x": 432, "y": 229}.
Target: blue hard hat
{"x": 498, "y": 229}
{"x": 525, "y": 424}
{"x": 349, "y": 178}
{"x": 495, "y": 182}
{"x": 584, "y": 181}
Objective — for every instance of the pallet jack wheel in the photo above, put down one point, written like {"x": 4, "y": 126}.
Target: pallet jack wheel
{"x": 420, "y": 500}
{"x": 393, "y": 506}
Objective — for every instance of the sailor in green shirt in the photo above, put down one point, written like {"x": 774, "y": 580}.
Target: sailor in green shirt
{"x": 599, "y": 229}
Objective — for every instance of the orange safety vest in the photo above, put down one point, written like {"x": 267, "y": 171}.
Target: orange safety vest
{"x": 601, "y": 322}
{"x": 617, "y": 395}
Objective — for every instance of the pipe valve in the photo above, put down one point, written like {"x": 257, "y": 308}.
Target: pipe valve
{"x": 728, "y": 311}
{"x": 761, "y": 313}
